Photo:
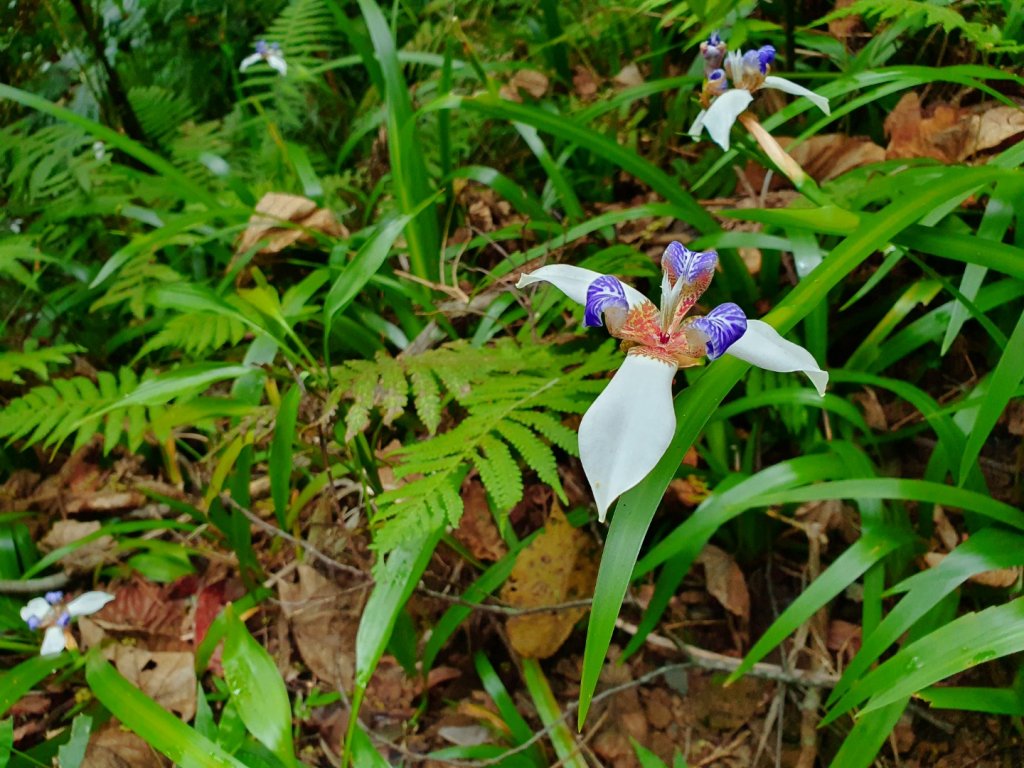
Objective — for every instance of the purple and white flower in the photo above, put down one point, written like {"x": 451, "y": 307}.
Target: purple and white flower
{"x": 630, "y": 425}
{"x": 747, "y": 72}
{"x": 51, "y": 614}
{"x": 271, "y": 54}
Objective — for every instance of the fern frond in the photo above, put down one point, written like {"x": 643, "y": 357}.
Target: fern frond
{"x": 35, "y": 359}
{"x": 925, "y": 13}
{"x": 509, "y": 394}
{"x": 197, "y": 333}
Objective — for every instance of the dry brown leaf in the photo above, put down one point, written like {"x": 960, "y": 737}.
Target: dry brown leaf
{"x": 844, "y": 638}
{"x": 874, "y": 414}
{"x": 530, "y": 80}
{"x": 112, "y": 746}
{"x": 558, "y": 566}
{"x": 847, "y": 28}
{"x": 830, "y": 155}
{"x": 629, "y": 76}
{"x": 585, "y": 83}
{"x": 169, "y": 678}
{"x": 1002, "y": 578}
{"x": 477, "y": 530}
{"x": 725, "y": 581}
{"x": 280, "y": 219}
{"x": 323, "y": 619}
{"x": 85, "y": 558}
{"x": 949, "y": 133}
{"x": 690, "y": 491}
{"x": 944, "y": 529}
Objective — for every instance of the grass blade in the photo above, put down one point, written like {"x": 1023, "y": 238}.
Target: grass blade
{"x": 280, "y": 460}
{"x": 551, "y": 715}
{"x": 155, "y": 725}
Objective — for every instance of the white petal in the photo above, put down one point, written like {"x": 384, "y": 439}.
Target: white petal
{"x": 248, "y": 61}
{"x": 89, "y": 602}
{"x": 723, "y": 112}
{"x": 37, "y": 608}
{"x": 698, "y": 125}
{"x": 628, "y": 428}
{"x": 573, "y": 282}
{"x": 53, "y": 642}
{"x": 788, "y": 86}
{"x": 764, "y": 347}
{"x": 276, "y": 61}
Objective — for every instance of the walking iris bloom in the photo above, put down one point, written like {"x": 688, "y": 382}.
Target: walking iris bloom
{"x": 52, "y": 614}
{"x": 630, "y": 425}
{"x": 269, "y": 53}
{"x": 748, "y": 72}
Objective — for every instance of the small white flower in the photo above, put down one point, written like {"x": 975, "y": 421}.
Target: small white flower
{"x": 748, "y": 72}
{"x": 269, "y": 53}
{"x": 626, "y": 431}
{"x": 52, "y": 614}
{"x": 99, "y": 150}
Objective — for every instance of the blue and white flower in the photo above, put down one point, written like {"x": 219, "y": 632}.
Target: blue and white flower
{"x": 746, "y": 72}
{"x": 51, "y": 614}
{"x": 630, "y": 425}
{"x": 271, "y": 54}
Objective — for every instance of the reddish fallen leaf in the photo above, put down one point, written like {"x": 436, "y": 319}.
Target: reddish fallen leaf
{"x": 477, "y": 530}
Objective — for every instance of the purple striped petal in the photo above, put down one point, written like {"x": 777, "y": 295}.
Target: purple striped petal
{"x": 605, "y": 292}
{"x": 680, "y": 263}
{"x": 721, "y": 327}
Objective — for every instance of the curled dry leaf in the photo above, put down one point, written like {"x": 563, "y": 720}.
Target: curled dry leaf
{"x": 949, "y": 133}
{"x": 283, "y": 220}
{"x": 585, "y": 83}
{"x": 1002, "y": 578}
{"x": 169, "y": 678}
{"x": 529, "y": 80}
{"x": 323, "y": 620}
{"x": 558, "y": 566}
{"x": 629, "y": 76}
{"x": 111, "y": 746}
{"x": 725, "y": 581}
{"x": 86, "y": 557}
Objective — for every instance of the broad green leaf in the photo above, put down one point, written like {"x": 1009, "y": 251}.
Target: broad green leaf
{"x": 965, "y": 642}
{"x": 861, "y": 745}
{"x": 993, "y": 701}
{"x": 396, "y": 576}
{"x": 155, "y": 725}
{"x": 257, "y": 689}
{"x": 279, "y": 463}
{"x": 6, "y": 741}
{"x": 72, "y": 752}
{"x": 357, "y": 273}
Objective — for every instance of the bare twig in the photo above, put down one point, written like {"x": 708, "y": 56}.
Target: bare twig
{"x": 33, "y": 586}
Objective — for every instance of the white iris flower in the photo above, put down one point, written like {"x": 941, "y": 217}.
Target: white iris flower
{"x": 747, "y": 72}
{"x": 52, "y": 614}
{"x": 271, "y": 54}
{"x": 630, "y": 425}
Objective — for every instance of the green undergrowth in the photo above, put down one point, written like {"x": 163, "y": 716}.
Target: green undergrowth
{"x": 382, "y": 361}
